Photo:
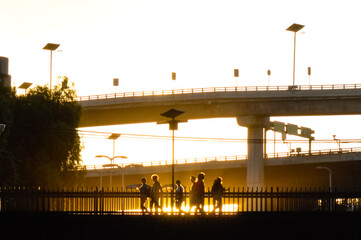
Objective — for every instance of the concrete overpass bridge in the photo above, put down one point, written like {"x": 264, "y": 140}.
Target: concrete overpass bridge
{"x": 251, "y": 106}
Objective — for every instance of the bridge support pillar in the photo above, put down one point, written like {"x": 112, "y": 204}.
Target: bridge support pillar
{"x": 255, "y": 164}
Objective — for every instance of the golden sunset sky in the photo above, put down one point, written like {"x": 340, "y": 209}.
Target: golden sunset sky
{"x": 142, "y": 42}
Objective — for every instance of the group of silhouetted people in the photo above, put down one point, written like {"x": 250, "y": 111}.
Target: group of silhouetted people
{"x": 196, "y": 194}
{"x": 153, "y": 193}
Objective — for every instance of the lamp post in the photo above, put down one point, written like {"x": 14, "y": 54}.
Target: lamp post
{"x": 25, "y": 86}
{"x": 269, "y": 75}
{"x": 338, "y": 141}
{"x": 309, "y": 75}
{"x": 294, "y": 28}
{"x": 114, "y": 136}
{"x": 51, "y": 47}
{"x": 174, "y": 78}
{"x": 236, "y": 75}
{"x": 173, "y": 125}
{"x": 112, "y": 165}
{"x": 115, "y": 84}
{"x": 111, "y": 160}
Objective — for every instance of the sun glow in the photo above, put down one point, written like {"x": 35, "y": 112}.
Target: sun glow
{"x": 208, "y": 209}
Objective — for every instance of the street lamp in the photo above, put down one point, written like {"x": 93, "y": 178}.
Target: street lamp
{"x": 309, "y": 75}
{"x": 111, "y": 160}
{"x": 51, "y": 47}
{"x": 173, "y": 125}
{"x": 338, "y": 141}
{"x": 115, "y": 84}
{"x": 294, "y": 28}
{"x": 236, "y": 75}
{"x": 112, "y": 165}
{"x": 114, "y": 136}
{"x": 25, "y": 85}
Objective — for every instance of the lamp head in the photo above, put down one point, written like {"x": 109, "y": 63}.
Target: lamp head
{"x": 172, "y": 113}
{"x": 51, "y": 46}
{"x": 295, "y": 27}
{"x": 114, "y": 136}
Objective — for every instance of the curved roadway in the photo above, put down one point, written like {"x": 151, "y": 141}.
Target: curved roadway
{"x": 141, "y": 107}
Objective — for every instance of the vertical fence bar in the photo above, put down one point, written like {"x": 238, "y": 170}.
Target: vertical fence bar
{"x": 243, "y": 199}
{"x": 271, "y": 199}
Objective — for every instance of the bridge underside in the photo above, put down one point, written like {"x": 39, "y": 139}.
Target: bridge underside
{"x": 148, "y": 109}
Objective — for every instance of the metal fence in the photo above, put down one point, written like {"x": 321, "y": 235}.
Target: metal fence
{"x": 127, "y": 202}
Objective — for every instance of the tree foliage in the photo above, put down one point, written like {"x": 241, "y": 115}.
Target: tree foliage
{"x": 41, "y": 144}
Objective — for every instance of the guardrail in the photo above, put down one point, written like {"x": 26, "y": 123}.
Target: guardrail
{"x": 219, "y": 89}
{"x": 227, "y": 158}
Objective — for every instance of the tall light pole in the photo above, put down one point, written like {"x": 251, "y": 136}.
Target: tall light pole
{"x": 236, "y": 75}
{"x": 174, "y": 78}
{"x": 115, "y": 84}
{"x": 51, "y": 47}
{"x": 309, "y": 75}
{"x": 173, "y": 125}
{"x": 294, "y": 28}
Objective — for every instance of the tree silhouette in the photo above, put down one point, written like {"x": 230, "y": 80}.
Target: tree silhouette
{"x": 41, "y": 141}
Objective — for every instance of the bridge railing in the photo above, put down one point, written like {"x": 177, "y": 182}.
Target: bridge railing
{"x": 128, "y": 201}
{"x": 219, "y": 89}
{"x": 176, "y": 161}
{"x": 228, "y": 158}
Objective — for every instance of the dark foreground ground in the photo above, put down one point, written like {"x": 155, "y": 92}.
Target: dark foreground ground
{"x": 243, "y": 226}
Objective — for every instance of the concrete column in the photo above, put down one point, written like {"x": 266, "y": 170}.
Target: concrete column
{"x": 4, "y": 72}
{"x": 255, "y": 165}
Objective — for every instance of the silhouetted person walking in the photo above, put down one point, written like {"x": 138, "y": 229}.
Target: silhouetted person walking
{"x": 156, "y": 190}
{"x": 192, "y": 196}
{"x": 179, "y": 196}
{"x": 199, "y": 193}
{"x": 145, "y": 192}
{"x": 217, "y": 193}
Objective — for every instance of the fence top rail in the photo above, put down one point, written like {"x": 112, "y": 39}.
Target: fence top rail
{"x": 227, "y": 158}
{"x": 220, "y": 89}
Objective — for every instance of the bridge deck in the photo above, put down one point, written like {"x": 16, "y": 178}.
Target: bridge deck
{"x": 242, "y": 89}
{"x": 141, "y": 107}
